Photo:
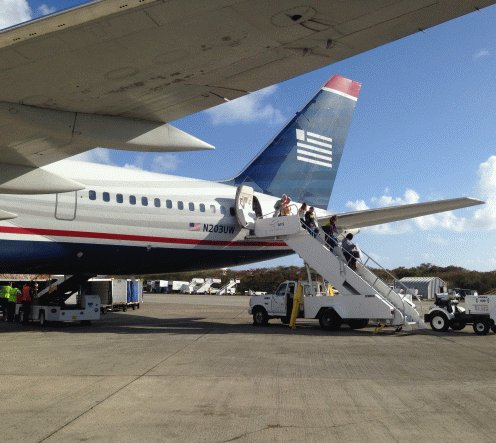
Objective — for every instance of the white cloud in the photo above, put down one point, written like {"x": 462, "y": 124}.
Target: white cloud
{"x": 44, "y": 9}
{"x": 97, "y": 155}
{"x": 165, "y": 163}
{"x": 483, "y": 218}
{"x": 137, "y": 164}
{"x": 247, "y": 109}
{"x": 481, "y": 53}
{"x": 14, "y": 12}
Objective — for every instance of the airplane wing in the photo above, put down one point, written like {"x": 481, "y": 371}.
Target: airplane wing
{"x": 370, "y": 217}
{"x": 110, "y": 73}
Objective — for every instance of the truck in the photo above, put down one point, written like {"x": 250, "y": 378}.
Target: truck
{"x": 479, "y": 311}
{"x": 331, "y": 311}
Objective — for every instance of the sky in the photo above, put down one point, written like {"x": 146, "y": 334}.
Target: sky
{"x": 424, "y": 129}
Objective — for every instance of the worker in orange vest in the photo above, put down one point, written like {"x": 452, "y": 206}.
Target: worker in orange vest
{"x": 26, "y": 302}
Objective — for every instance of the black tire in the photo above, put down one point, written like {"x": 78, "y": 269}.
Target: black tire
{"x": 493, "y": 328}
{"x": 358, "y": 323}
{"x": 439, "y": 321}
{"x": 330, "y": 320}
{"x": 457, "y": 325}
{"x": 43, "y": 321}
{"x": 260, "y": 317}
{"x": 481, "y": 327}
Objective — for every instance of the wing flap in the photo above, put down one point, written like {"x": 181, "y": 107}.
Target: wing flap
{"x": 370, "y": 217}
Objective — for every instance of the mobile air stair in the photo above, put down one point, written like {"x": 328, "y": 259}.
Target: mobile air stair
{"x": 331, "y": 264}
{"x": 228, "y": 287}
{"x": 329, "y": 261}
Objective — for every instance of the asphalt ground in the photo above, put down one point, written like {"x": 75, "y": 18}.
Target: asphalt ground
{"x": 194, "y": 369}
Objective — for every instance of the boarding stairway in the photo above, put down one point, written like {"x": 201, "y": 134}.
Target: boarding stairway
{"x": 226, "y": 289}
{"x": 331, "y": 264}
{"x": 205, "y": 287}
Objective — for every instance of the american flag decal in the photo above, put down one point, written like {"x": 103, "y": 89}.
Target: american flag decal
{"x": 314, "y": 148}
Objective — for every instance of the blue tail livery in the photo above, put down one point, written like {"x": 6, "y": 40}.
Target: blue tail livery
{"x": 303, "y": 159}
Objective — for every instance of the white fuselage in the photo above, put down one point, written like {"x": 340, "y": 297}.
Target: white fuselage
{"x": 128, "y": 221}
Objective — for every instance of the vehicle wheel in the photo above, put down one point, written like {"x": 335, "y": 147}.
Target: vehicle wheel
{"x": 481, "y": 327}
{"x": 457, "y": 325}
{"x": 330, "y": 320}
{"x": 493, "y": 327}
{"x": 42, "y": 318}
{"x": 285, "y": 320}
{"x": 439, "y": 322}
{"x": 260, "y": 317}
{"x": 358, "y": 323}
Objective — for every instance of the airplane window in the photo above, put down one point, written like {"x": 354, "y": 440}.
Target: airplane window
{"x": 232, "y": 211}
{"x": 223, "y": 210}
{"x": 92, "y": 195}
{"x": 156, "y": 202}
{"x": 180, "y": 205}
{"x": 168, "y": 203}
{"x": 202, "y": 207}
{"x": 212, "y": 209}
{"x": 144, "y": 201}
{"x": 132, "y": 199}
{"x": 191, "y": 206}
{"x": 106, "y": 197}
{"x": 119, "y": 198}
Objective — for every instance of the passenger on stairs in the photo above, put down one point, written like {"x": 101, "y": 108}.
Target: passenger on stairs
{"x": 285, "y": 208}
{"x": 311, "y": 221}
{"x": 350, "y": 251}
{"x": 301, "y": 213}
{"x": 330, "y": 231}
{"x": 278, "y": 205}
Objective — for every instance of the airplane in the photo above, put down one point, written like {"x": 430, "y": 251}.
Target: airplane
{"x": 111, "y": 74}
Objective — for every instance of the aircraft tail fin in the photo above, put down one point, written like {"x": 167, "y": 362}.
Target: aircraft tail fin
{"x": 303, "y": 159}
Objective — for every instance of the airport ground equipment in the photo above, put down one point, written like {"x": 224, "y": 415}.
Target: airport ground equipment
{"x": 50, "y": 303}
{"x": 332, "y": 312}
{"x": 206, "y": 287}
{"x": 479, "y": 311}
{"x": 228, "y": 288}
{"x": 116, "y": 293}
{"x": 359, "y": 289}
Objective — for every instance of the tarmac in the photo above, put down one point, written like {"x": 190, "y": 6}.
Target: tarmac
{"x": 194, "y": 369}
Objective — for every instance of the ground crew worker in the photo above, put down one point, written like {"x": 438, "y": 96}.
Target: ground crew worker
{"x": 26, "y": 302}
{"x": 4, "y": 300}
{"x": 12, "y": 303}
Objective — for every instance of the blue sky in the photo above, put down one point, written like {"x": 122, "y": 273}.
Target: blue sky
{"x": 424, "y": 129}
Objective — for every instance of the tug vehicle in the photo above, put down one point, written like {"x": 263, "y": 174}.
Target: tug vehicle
{"x": 479, "y": 311}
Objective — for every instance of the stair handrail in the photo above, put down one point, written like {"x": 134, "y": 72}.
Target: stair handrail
{"x": 330, "y": 242}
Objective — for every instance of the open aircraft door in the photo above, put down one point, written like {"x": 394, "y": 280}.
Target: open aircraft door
{"x": 245, "y": 213}
{"x": 65, "y": 205}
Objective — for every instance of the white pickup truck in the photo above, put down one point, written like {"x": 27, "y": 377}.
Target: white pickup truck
{"x": 332, "y": 312}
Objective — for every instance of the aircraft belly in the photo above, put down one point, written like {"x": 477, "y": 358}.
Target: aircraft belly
{"x": 74, "y": 257}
